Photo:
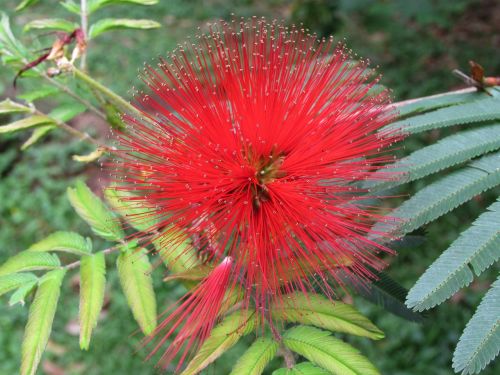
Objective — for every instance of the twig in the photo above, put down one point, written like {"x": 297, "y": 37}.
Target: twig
{"x": 77, "y": 263}
{"x": 113, "y": 97}
{"x": 75, "y": 96}
{"x": 80, "y": 135}
{"x": 287, "y": 355}
{"x": 84, "y": 26}
{"x": 409, "y": 101}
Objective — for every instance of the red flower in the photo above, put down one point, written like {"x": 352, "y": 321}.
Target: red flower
{"x": 252, "y": 141}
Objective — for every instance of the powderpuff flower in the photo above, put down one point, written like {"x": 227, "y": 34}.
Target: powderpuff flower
{"x": 253, "y": 142}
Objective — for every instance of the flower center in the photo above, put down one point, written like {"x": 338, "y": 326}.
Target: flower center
{"x": 268, "y": 170}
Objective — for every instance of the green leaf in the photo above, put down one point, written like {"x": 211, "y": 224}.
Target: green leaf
{"x": 319, "y": 311}
{"x": 37, "y": 134}
{"x": 95, "y": 213}
{"x": 256, "y": 358}
{"x": 304, "y": 368}
{"x": 326, "y": 351}
{"x": 224, "y": 336}
{"x": 39, "y": 93}
{"x": 29, "y": 261}
{"x": 41, "y": 316}
{"x": 14, "y": 281}
{"x": 98, "y": 4}
{"x": 20, "y": 295}
{"x": 134, "y": 271}
{"x": 176, "y": 251}
{"x": 66, "y": 112}
{"x": 70, "y": 242}
{"x": 440, "y": 101}
{"x": 51, "y": 24}
{"x": 135, "y": 211}
{"x": 11, "y": 47}
{"x": 468, "y": 113}
{"x": 109, "y": 24}
{"x": 442, "y": 196}
{"x": 8, "y": 106}
{"x": 25, "y": 4}
{"x": 92, "y": 284}
{"x": 26, "y": 123}
{"x": 448, "y": 152}
{"x": 480, "y": 342}
{"x": 71, "y": 6}
{"x": 478, "y": 247}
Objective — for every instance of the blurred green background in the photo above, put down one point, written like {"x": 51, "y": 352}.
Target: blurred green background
{"x": 415, "y": 43}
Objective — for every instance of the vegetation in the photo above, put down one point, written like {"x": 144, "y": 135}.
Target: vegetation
{"x": 450, "y": 168}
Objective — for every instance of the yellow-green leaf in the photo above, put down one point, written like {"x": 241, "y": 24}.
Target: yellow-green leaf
{"x": 135, "y": 211}
{"x": 70, "y": 242}
{"x": 39, "y": 93}
{"x": 319, "y": 311}
{"x": 223, "y": 337}
{"x": 328, "y": 352}
{"x": 98, "y": 4}
{"x": 256, "y": 358}
{"x": 8, "y": 106}
{"x": 29, "y": 261}
{"x": 95, "y": 213}
{"x": 134, "y": 271}
{"x": 25, "y": 123}
{"x": 51, "y": 24}
{"x": 14, "y": 281}
{"x": 20, "y": 294}
{"x": 108, "y": 24}
{"x": 92, "y": 284}
{"x": 37, "y": 134}
{"x": 41, "y": 316}
{"x": 176, "y": 252}
{"x": 25, "y": 4}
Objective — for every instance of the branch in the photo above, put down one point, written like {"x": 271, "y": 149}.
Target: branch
{"x": 77, "y": 263}
{"x": 409, "y": 101}
{"x": 80, "y": 135}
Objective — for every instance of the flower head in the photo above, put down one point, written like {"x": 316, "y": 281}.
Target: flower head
{"x": 252, "y": 140}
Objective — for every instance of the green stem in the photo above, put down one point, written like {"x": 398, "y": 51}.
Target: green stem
{"x": 114, "y": 98}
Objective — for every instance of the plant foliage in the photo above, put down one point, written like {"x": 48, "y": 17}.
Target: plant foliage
{"x": 473, "y": 152}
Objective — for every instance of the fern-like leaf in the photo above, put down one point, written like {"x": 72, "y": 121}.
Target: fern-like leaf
{"x": 178, "y": 256}
{"x": 446, "y": 194}
{"x": 224, "y": 336}
{"x": 256, "y": 358}
{"x": 92, "y": 284}
{"x": 480, "y": 342}
{"x": 319, "y": 311}
{"x": 20, "y": 295}
{"x": 478, "y": 247}
{"x": 70, "y": 242}
{"x": 471, "y": 112}
{"x": 91, "y": 209}
{"x": 29, "y": 261}
{"x": 326, "y": 351}
{"x": 134, "y": 271}
{"x": 14, "y": 281}
{"x": 134, "y": 211}
{"x": 41, "y": 316}
{"x": 448, "y": 152}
